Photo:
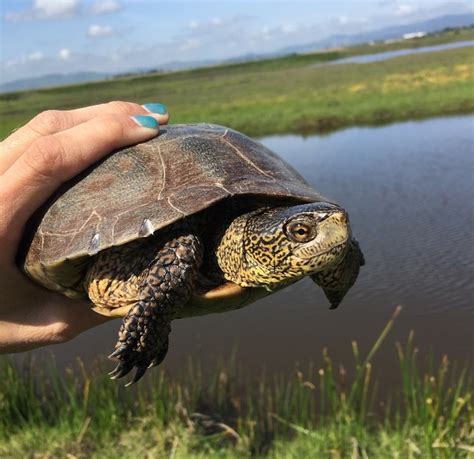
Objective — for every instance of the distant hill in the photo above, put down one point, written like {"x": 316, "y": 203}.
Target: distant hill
{"x": 429, "y": 26}
{"x": 53, "y": 79}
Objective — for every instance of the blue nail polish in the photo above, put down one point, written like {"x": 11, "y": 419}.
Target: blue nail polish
{"x": 160, "y": 109}
{"x": 146, "y": 121}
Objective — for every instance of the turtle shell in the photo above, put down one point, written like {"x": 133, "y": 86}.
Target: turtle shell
{"x": 139, "y": 190}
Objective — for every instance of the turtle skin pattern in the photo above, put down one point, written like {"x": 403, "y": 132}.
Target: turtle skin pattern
{"x": 167, "y": 284}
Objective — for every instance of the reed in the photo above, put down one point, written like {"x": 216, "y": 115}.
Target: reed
{"x": 326, "y": 411}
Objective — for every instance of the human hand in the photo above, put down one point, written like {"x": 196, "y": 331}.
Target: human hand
{"x": 34, "y": 161}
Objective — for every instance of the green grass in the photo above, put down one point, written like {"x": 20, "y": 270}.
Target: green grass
{"x": 325, "y": 412}
{"x": 282, "y": 95}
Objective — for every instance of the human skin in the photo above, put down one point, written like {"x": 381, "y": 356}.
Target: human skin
{"x": 34, "y": 161}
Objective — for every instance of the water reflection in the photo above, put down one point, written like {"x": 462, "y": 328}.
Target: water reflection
{"x": 408, "y": 188}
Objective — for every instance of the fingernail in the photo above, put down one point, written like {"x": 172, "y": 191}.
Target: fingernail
{"x": 160, "y": 109}
{"x": 146, "y": 121}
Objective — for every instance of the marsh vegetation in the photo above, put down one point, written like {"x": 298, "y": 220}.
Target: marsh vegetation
{"x": 285, "y": 94}
{"x": 326, "y": 411}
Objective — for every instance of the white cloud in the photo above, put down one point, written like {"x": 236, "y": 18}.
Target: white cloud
{"x": 106, "y": 6}
{"x": 190, "y": 43}
{"x": 26, "y": 60}
{"x": 397, "y": 12}
{"x": 46, "y": 9}
{"x": 193, "y": 24}
{"x": 98, "y": 31}
{"x": 36, "y": 56}
{"x": 64, "y": 54}
{"x": 288, "y": 28}
{"x": 54, "y": 8}
{"x": 405, "y": 10}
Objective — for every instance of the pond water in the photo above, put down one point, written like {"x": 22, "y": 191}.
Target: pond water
{"x": 408, "y": 188}
{"x": 366, "y": 58}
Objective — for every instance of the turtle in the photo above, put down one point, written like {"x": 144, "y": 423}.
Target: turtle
{"x": 199, "y": 219}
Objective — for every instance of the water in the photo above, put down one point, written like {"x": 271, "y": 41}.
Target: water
{"x": 366, "y": 58}
{"x": 408, "y": 188}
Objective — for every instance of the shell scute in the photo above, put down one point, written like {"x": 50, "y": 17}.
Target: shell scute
{"x": 184, "y": 170}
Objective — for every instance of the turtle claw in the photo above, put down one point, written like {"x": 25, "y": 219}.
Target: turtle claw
{"x": 129, "y": 359}
{"x": 138, "y": 375}
{"x": 118, "y": 353}
{"x": 127, "y": 362}
{"x": 122, "y": 369}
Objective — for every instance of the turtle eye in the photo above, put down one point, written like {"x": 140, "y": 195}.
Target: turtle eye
{"x": 300, "y": 231}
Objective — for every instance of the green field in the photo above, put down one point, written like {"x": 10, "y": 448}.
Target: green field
{"x": 286, "y": 94}
{"x": 326, "y": 411}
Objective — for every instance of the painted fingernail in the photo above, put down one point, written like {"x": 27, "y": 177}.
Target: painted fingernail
{"x": 159, "y": 109}
{"x": 146, "y": 121}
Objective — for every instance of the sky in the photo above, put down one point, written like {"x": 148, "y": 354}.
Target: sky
{"x": 112, "y": 36}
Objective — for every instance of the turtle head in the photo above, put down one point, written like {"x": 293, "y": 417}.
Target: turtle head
{"x": 274, "y": 246}
{"x": 271, "y": 246}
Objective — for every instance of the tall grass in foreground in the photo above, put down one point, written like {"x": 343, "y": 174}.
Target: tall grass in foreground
{"x": 323, "y": 413}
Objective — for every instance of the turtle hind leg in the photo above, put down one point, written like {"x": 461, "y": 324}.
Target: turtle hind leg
{"x": 166, "y": 284}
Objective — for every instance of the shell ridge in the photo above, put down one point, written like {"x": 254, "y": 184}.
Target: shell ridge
{"x": 220, "y": 185}
{"x": 70, "y": 232}
{"x": 97, "y": 226}
{"x": 247, "y": 160}
{"x": 74, "y": 233}
{"x": 163, "y": 165}
{"x": 184, "y": 137}
{"x": 120, "y": 214}
{"x": 174, "y": 207}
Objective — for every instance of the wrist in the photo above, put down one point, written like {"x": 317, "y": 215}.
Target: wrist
{"x": 54, "y": 320}
{"x": 70, "y": 318}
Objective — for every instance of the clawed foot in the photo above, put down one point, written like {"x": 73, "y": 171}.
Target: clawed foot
{"x": 143, "y": 343}
{"x": 166, "y": 285}
{"x": 130, "y": 359}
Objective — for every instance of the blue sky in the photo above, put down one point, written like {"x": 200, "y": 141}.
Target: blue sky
{"x": 49, "y": 36}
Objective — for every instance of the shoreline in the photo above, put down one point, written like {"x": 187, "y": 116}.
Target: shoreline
{"x": 283, "y": 95}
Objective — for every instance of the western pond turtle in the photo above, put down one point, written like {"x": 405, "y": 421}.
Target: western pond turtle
{"x": 200, "y": 219}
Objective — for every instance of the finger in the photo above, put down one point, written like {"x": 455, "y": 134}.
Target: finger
{"x": 53, "y": 121}
{"x": 52, "y": 160}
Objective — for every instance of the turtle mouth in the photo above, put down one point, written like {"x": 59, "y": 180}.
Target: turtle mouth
{"x": 333, "y": 233}
{"x": 333, "y": 249}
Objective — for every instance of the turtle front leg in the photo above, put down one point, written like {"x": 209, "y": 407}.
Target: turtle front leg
{"x": 167, "y": 284}
{"x": 157, "y": 288}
